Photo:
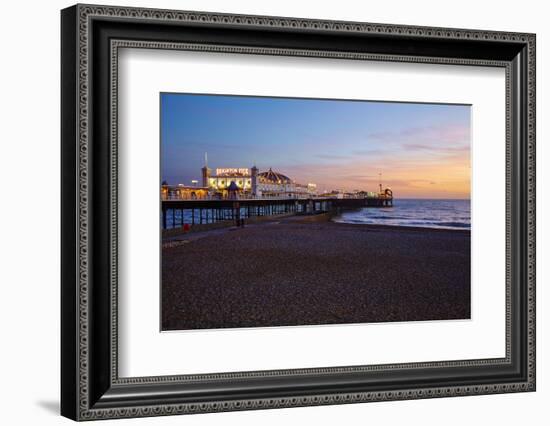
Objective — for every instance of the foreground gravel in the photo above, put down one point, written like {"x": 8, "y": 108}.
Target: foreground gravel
{"x": 327, "y": 273}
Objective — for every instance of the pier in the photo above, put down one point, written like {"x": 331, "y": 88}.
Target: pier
{"x": 181, "y": 212}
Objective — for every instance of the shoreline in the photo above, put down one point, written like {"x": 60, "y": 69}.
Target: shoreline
{"x": 326, "y": 218}
{"x": 380, "y": 227}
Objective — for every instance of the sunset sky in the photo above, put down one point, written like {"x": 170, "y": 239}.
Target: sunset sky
{"x": 421, "y": 150}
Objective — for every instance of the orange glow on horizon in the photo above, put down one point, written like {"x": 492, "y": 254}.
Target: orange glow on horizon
{"x": 415, "y": 177}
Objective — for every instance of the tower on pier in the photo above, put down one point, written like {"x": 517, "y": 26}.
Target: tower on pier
{"x": 205, "y": 171}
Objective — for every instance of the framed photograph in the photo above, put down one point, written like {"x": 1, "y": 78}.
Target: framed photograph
{"x": 263, "y": 212}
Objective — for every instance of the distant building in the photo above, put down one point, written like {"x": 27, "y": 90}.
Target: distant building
{"x": 275, "y": 184}
{"x": 239, "y": 183}
{"x": 245, "y": 179}
{"x": 183, "y": 192}
{"x": 250, "y": 182}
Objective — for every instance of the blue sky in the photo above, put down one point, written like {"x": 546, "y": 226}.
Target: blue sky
{"x": 422, "y": 150}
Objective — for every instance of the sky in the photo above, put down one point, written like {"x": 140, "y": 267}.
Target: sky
{"x": 418, "y": 150}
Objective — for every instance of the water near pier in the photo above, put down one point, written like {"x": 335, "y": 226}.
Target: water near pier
{"x": 445, "y": 214}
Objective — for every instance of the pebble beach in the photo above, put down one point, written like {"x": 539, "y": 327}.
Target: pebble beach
{"x": 288, "y": 273}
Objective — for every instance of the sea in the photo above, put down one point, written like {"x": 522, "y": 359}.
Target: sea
{"x": 444, "y": 214}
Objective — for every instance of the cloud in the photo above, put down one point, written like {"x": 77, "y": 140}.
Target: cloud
{"x": 444, "y": 134}
{"x": 426, "y": 147}
{"x": 369, "y": 151}
{"x": 332, "y": 156}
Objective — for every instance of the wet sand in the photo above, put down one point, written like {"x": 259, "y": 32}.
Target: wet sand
{"x": 291, "y": 273}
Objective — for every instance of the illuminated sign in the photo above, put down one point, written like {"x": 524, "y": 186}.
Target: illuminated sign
{"x": 233, "y": 172}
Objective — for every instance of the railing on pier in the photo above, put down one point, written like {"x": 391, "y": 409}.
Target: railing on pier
{"x": 170, "y": 196}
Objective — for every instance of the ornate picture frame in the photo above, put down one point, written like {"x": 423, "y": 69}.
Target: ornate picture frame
{"x": 91, "y": 38}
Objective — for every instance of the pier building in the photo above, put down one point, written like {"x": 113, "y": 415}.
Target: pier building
{"x": 251, "y": 183}
{"x": 183, "y": 192}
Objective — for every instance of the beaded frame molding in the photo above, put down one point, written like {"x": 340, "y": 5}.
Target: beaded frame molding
{"x": 91, "y": 38}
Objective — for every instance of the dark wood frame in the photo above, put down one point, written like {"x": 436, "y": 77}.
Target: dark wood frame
{"x": 90, "y": 386}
